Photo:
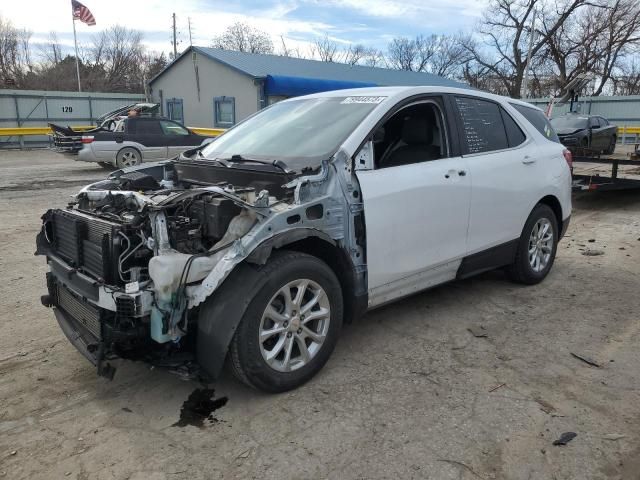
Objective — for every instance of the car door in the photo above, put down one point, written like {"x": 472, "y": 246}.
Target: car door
{"x": 416, "y": 214}
{"x": 178, "y": 138}
{"x": 504, "y": 169}
{"x": 146, "y": 135}
{"x": 596, "y": 131}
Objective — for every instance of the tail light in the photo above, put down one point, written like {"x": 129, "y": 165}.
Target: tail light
{"x": 568, "y": 156}
{"x": 87, "y": 138}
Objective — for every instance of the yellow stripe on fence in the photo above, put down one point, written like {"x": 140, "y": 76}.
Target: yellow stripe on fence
{"x": 19, "y": 131}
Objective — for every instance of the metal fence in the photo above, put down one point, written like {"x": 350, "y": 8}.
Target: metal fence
{"x": 35, "y": 108}
{"x": 623, "y": 111}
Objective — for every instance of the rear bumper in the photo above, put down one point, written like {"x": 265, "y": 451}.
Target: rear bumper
{"x": 86, "y": 154}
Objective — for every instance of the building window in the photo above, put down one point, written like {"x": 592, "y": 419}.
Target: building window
{"x": 224, "y": 111}
{"x": 174, "y": 110}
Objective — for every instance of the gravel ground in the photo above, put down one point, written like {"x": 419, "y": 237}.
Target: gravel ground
{"x": 410, "y": 392}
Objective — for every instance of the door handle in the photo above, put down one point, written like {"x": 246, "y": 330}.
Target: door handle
{"x": 119, "y": 139}
{"x": 527, "y": 160}
{"x": 462, "y": 173}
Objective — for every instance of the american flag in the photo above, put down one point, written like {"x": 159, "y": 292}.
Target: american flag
{"x": 82, "y": 13}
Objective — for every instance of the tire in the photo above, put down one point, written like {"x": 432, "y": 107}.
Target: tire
{"x": 248, "y": 354}
{"x": 612, "y": 146}
{"x": 106, "y": 165}
{"x": 128, "y": 157}
{"x": 524, "y": 268}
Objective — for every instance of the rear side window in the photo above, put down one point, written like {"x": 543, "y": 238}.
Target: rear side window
{"x": 482, "y": 125}
{"x": 538, "y": 120}
{"x": 515, "y": 135}
{"x": 147, "y": 127}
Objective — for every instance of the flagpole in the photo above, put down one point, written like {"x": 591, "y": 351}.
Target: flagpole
{"x": 75, "y": 42}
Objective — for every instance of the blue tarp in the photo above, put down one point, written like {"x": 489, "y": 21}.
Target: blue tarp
{"x": 293, "y": 86}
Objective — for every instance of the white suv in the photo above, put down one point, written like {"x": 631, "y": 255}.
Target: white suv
{"x": 258, "y": 246}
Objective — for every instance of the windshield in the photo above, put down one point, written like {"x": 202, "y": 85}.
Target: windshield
{"x": 298, "y": 132}
{"x": 569, "y": 121}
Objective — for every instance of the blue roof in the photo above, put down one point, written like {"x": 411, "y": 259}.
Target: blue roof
{"x": 260, "y": 66}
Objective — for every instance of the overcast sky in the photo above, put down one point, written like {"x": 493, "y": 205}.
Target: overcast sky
{"x": 371, "y": 22}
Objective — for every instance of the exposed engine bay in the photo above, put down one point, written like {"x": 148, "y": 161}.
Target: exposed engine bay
{"x": 134, "y": 256}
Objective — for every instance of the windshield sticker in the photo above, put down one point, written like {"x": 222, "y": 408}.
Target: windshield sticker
{"x": 363, "y": 100}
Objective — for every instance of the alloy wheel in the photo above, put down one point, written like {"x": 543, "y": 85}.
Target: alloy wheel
{"x": 540, "y": 244}
{"x": 294, "y": 325}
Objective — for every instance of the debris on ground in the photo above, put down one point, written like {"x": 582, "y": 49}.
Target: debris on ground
{"x": 478, "y": 331}
{"x": 565, "y": 438}
{"x": 591, "y": 240}
{"x": 497, "y": 387}
{"x": 545, "y": 406}
{"x": 586, "y": 360}
{"x": 593, "y": 253}
{"x": 614, "y": 436}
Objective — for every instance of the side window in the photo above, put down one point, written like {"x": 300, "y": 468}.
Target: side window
{"x": 224, "y": 111}
{"x": 174, "y": 109}
{"x": 412, "y": 135}
{"x": 603, "y": 122}
{"x": 148, "y": 127}
{"x": 482, "y": 125}
{"x": 515, "y": 135}
{"x": 536, "y": 118}
{"x": 171, "y": 128}
{"x": 594, "y": 122}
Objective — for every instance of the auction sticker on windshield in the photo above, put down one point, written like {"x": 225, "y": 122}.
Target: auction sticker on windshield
{"x": 363, "y": 100}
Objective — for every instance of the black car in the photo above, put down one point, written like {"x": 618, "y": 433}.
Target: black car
{"x": 586, "y": 132}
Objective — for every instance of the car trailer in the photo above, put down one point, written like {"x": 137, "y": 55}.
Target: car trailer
{"x": 582, "y": 182}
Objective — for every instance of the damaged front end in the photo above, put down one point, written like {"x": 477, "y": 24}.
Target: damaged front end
{"x": 133, "y": 258}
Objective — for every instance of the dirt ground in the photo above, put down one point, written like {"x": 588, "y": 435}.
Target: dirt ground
{"x": 409, "y": 393}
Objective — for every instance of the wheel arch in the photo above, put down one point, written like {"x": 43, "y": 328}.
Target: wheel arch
{"x": 552, "y": 202}
{"x": 220, "y": 315}
{"x": 132, "y": 147}
{"x": 320, "y": 245}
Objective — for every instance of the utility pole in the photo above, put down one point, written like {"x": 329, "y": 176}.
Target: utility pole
{"x": 175, "y": 42}
{"x": 190, "y": 39}
{"x": 532, "y": 35}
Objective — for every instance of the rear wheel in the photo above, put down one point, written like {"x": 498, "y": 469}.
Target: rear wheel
{"x": 536, "y": 248}
{"x": 128, "y": 157}
{"x": 291, "y": 326}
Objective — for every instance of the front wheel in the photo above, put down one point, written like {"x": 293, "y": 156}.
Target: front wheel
{"x": 536, "y": 248}
{"x": 291, "y": 326}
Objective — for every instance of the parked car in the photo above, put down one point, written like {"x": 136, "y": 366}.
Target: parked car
{"x": 257, "y": 247}
{"x": 586, "y": 132}
{"x": 130, "y": 142}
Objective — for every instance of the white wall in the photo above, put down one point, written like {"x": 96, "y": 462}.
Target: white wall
{"x": 216, "y": 80}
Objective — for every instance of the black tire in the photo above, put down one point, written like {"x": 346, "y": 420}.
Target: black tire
{"x": 245, "y": 357}
{"x": 106, "y": 165}
{"x": 521, "y": 270}
{"x": 612, "y": 146}
{"x": 128, "y": 157}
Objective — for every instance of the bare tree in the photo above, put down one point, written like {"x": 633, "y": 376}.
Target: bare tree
{"x": 505, "y": 31}
{"x": 627, "y": 79}
{"x": 51, "y": 51}
{"x": 287, "y": 51}
{"x": 242, "y": 37}
{"x": 15, "y": 58}
{"x": 326, "y": 49}
{"x": 115, "y": 60}
{"x": 402, "y": 53}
